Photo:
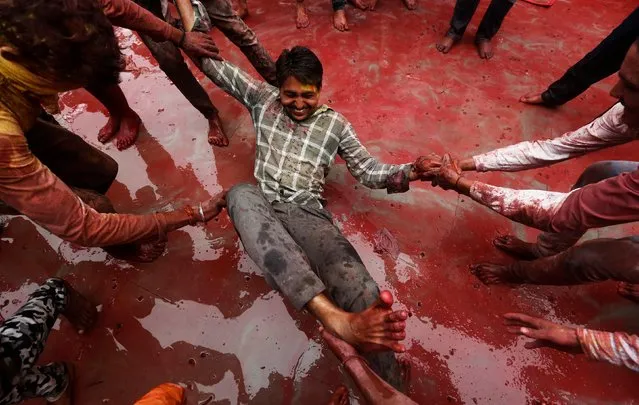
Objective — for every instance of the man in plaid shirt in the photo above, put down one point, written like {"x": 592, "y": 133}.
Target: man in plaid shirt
{"x": 282, "y": 222}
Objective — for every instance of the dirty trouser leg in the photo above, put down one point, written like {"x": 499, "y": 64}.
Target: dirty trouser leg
{"x": 270, "y": 246}
{"x": 595, "y": 260}
{"x": 172, "y": 63}
{"x": 224, "y": 18}
{"x": 22, "y": 339}
{"x": 336, "y": 262}
{"x": 549, "y": 243}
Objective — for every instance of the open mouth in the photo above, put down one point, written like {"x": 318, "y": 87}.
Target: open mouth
{"x": 298, "y": 113}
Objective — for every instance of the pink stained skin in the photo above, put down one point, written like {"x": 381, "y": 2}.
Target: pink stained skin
{"x": 532, "y": 98}
{"x": 301, "y": 16}
{"x": 516, "y": 247}
{"x": 217, "y": 136}
{"x": 375, "y": 390}
{"x": 339, "y": 397}
{"x": 446, "y": 44}
{"x": 339, "y": 21}
{"x": 485, "y": 49}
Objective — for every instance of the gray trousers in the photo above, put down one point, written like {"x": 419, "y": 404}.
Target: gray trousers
{"x": 549, "y": 243}
{"x": 303, "y": 254}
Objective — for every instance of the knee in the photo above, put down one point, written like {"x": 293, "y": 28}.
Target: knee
{"x": 241, "y": 195}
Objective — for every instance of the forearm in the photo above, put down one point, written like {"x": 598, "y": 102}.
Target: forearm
{"x": 617, "y": 348}
{"x": 127, "y": 14}
{"x": 534, "y": 208}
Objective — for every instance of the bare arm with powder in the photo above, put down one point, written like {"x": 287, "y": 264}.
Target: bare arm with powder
{"x": 609, "y": 202}
{"x": 605, "y": 131}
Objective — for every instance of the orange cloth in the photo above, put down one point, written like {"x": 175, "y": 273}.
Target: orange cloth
{"x": 165, "y": 394}
{"x": 31, "y": 188}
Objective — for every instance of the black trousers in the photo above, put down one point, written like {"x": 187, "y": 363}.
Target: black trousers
{"x": 598, "y": 64}
{"x": 490, "y": 24}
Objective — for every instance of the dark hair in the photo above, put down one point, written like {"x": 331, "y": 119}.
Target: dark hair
{"x": 301, "y": 63}
{"x": 67, "y": 40}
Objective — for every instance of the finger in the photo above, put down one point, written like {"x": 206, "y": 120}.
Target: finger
{"x": 533, "y": 333}
{"x": 396, "y": 326}
{"x": 515, "y": 330}
{"x": 523, "y": 318}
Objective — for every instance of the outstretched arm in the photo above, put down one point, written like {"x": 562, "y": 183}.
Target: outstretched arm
{"x": 368, "y": 170}
{"x": 618, "y": 348}
{"x": 234, "y": 81}
{"x": 606, "y": 131}
{"x": 608, "y": 202}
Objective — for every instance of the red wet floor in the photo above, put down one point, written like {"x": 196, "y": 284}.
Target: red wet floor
{"x": 203, "y": 315}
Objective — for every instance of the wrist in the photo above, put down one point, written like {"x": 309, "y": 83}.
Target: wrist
{"x": 467, "y": 165}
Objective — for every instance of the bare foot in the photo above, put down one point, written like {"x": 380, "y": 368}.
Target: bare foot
{"x": 377, "y": 328}
{"x": 340, "y": 397}
{"x": 242, "y": 9}
{"x": 108, "y": 131}
{"x": 372, "y": 4}
{"x": 67, "y": 396}
{"x": 516, "y": 247}
{"x": 339, "y": 21}
{"x": 532, "y": 98}
{"x": 129, "y": 130}
{"x": 629, "y": 291}
{"x": 484, "y": 48}
{"x": 446, "y": 44}
{"x": 79, "y": 310}
{"x": 489, "y": 273}
{"x": 137, "y": 252}
{"x": 217, "y": 137}
{"x": 301, "y": 19}
{"x": 361, "y": 4}
{"x": 410, "y": 4}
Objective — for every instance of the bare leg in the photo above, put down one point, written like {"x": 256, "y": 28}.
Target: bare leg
{"x": 375, "y": 390}
{"x": 301, "y": 16}
{"x": 597, "y": 260}
{"x": 124, "y": 123}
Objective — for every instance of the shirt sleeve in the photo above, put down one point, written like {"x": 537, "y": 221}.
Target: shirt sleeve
{"x": 234, "y": 81}
{"x": 620, "y": 349}
{"x": 607, "y": 130}
{"x": 32, "y": 189}
{"x": 368, "y": 170}
{"x": 608, "y": 202}
{"x": 127, "y": 14}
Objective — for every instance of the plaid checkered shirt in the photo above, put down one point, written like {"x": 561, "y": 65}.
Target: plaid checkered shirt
{"x": 292, "y": 158}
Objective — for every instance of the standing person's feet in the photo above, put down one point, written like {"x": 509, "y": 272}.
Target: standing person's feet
{"x": 489, "y": 273}
{"x": 301, "y": 17}
{"x": 242, "y": 9}
{"x": 629, "y": 291}
{"x": 377, "y": 328}
{"x": 361, "y": 4}
{"x": 446, "y": 43}
{"x": 67, "y": 396}
{"x": 484, "y": 48}
{"x": 217, "y": 136}
{"x": 516, "y": 247}
{"x": 339, "y": 397}
{"x": 410, "y": 4}
{"x": 124, "y": 128}
{"x": 79, "y": 310}
{"x": 339, "y": 20}
{"x": 532, "y": 98}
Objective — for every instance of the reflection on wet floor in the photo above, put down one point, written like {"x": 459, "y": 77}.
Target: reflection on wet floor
{"x": 203, "y": 316}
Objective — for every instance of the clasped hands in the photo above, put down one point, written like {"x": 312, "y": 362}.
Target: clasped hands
{"x": 442, "y": 171}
